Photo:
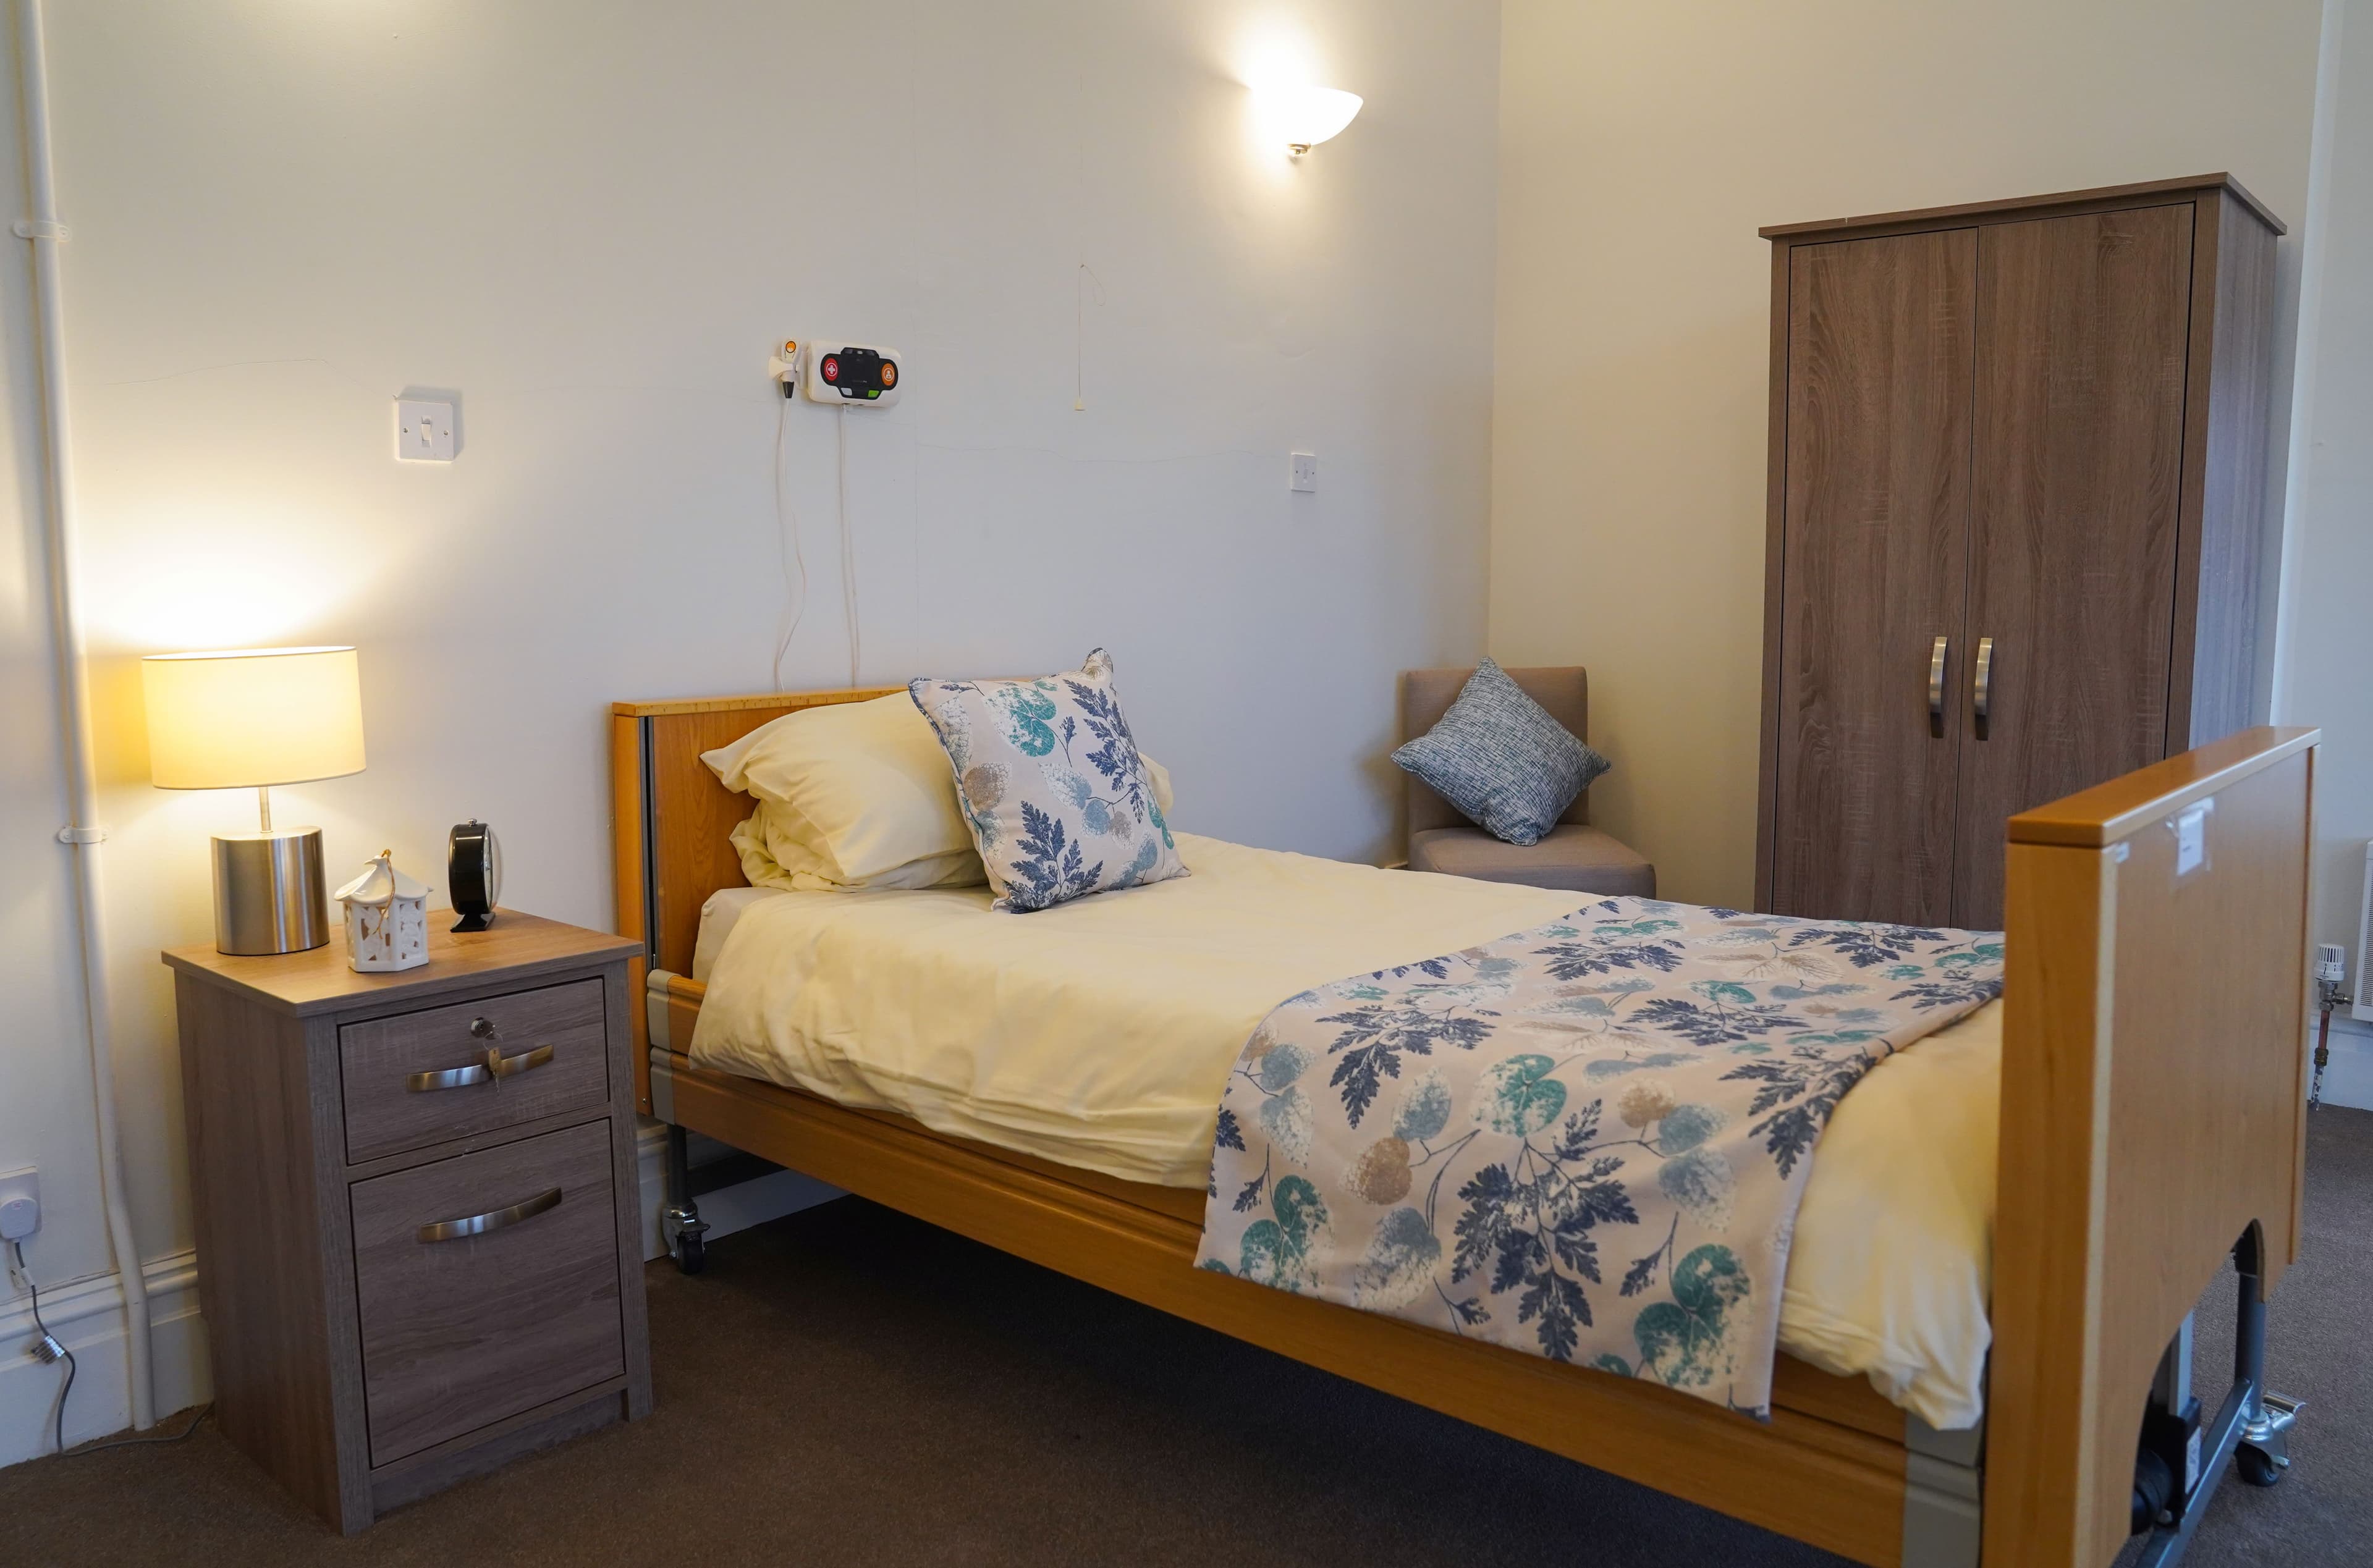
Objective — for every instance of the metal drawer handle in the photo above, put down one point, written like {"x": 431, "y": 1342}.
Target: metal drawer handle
{"x": 1937, "y": 686}
{"x": 478, "y": 1225}
{"x": 526, "y": 1061}
{"x": 1981, "y": 693}
{"x": 496, "y": 1067}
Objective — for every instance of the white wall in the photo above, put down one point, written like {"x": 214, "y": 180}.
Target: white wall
{"x": 1642, "y": 148}
{"x": 2326, "y": 675}
{"x": 591, "y": 220}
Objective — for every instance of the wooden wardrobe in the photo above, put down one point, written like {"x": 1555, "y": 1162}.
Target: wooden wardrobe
{"x": 2017, "y": 474}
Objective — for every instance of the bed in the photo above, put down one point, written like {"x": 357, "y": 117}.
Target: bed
{"x": 2150, "y": 1042}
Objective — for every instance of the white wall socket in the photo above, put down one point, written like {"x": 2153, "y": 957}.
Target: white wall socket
{"x": 424, "y": 431}
{"x": 1305, "y": 471}
{"x": 20, "y": 1204}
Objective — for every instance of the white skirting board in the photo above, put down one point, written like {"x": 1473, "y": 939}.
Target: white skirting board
{"x": 87, "y": 1318}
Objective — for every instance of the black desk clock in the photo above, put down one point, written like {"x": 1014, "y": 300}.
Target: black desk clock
{"x": 474, "y": 862}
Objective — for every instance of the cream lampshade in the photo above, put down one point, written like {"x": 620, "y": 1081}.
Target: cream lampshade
{"x": 249, "y": 719}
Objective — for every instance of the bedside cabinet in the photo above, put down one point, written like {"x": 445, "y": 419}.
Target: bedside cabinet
{"x": 414, "y": 1196}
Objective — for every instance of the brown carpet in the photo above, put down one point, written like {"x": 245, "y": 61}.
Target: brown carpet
{"x": 847, "y": 1385}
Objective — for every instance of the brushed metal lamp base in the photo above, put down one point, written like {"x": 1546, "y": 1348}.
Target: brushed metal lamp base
{"x": 271, "y": 895}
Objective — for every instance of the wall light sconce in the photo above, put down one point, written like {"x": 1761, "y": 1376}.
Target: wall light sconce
{"x": 1308, "y": 116}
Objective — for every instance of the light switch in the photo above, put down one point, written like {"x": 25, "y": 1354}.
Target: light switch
{"x": 424, "y": 431}
{"x": 1305, "y": 471}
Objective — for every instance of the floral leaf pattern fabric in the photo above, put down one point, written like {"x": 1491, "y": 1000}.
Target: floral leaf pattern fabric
{"x": 1060, "y": 801}
{"x": 1587, "y": 1141}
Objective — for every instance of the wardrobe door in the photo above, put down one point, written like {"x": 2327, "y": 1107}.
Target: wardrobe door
{"x": 1881, "y": 345}
{"x": 2079, "y": 461}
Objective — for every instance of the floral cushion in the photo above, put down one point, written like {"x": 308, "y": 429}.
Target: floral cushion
{"x": 1060, "y": 801}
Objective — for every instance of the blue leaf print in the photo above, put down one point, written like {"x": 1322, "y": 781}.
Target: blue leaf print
{"x": 1519, "y": 1097}
{"x": 1376, "y": 1036}
{"x": 1816, "y": 1081}
{"x": 1560, "y": 1305}
{"x": 1399, "y": 1263}
{"x": 1116, "y": 759}
{"x": 1712, "y": 1025}
{"x": 1868, "y": 943}
{"x": 1572, "y": 960}
{"x": 1230, "y": 1135}
{"x": 1950, "y": 990}
{"x": 1048, "y": 869}
{"x": 1026, "y": 712}
{"x": 1147, "y": 855}
{"x": 1682, "y": 1340}
{"x": 1425, "y": 1109}
{"x": 1529, "y": 1222}
{"x": 1789, "y": 991}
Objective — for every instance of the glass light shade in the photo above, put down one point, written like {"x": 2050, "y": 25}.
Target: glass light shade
{"x": 252, "y": 718}
{"x": 1308, "y": 116}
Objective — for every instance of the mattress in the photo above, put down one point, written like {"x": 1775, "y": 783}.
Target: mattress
{"x": 1098, "y": 1034}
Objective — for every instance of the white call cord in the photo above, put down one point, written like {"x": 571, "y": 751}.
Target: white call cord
{"x": 794, "y": 554}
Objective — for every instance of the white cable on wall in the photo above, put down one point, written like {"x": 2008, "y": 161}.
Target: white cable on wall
{"x": 786, "y": 541}
{"x": 81, "y": 834}
{"x": 848, "y": 548}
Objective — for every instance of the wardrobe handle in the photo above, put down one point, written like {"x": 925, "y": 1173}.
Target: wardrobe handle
{"x": 1982, "y": 685}
{"x": 1937, "y": 686}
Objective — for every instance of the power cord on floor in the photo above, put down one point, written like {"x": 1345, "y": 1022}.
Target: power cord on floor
{"x": 48, "y": 1350}
{"x": 182, "y": 1436}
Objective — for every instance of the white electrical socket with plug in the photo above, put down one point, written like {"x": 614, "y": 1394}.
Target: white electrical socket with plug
{"x": 846, "y": 374}
{"x": 20, "y": 1204}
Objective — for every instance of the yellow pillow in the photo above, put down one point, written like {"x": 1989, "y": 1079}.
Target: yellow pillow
{"x": 855, "y": 795}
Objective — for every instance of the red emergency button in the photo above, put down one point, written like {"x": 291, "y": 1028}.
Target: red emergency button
{"x": 831, "y": 368}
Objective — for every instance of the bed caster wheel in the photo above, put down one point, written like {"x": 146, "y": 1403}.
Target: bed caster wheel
{"x": 2258, "y": 1468}
{"x": 691, "y": 1252}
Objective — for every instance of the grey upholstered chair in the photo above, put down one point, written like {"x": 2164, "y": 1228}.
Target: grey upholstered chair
{"x": 1573, "y": 856}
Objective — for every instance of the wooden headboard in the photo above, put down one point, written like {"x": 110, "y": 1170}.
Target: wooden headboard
{"x": 671, "y": 818}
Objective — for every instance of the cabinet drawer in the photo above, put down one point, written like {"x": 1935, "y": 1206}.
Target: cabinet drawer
{"x": 420, "y": 1078}
{"x": 463, "y": 1330}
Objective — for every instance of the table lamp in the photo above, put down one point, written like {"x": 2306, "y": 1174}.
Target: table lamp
{"x": 249, "y": 719}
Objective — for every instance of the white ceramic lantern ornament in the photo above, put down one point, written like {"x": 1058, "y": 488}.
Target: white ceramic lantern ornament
{"x": 386, "y": 918}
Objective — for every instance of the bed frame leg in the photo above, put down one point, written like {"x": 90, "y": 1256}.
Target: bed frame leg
{"x": 2250, "y": 1433}
{"x": 680, "y": 1224}
{"x": 2263, "y": 1441}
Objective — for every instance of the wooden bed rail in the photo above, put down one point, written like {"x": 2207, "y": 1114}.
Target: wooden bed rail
{"x": 2154, "y": 1047}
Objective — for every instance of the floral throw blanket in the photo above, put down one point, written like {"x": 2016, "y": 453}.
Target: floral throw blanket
{"x": 1587, "y": 1141}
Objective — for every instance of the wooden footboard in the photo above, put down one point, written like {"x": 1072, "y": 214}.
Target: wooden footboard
{"x": 2153, "y": 1108}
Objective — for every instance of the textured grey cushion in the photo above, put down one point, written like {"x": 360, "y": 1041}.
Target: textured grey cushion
{"x": 1569, "y": 856}
{"x": 1501, "y": 759}
{"x": 1562, "y": 690}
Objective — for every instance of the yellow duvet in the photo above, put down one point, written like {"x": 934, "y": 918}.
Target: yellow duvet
{"x": 1099, "y": 1034}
